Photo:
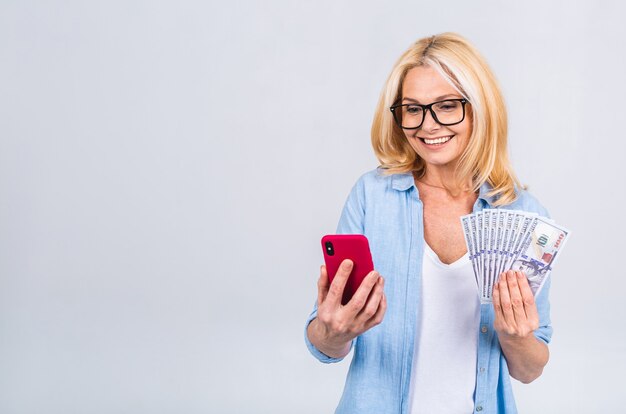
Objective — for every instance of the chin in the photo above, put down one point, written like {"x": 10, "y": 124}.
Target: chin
{"x": 439, "y": 161}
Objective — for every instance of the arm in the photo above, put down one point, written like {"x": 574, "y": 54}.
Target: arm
{"x": 516, "y": 319}
{"x": 332, "y": 327}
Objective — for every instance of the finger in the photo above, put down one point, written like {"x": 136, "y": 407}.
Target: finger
{"x": 529, "y": 299}
{"x": 505, "y": 302}
{"x": 373, "y": 301}
{"x": 516, "y": 299}
{"x": 322, "y": 285}
{"x": 335, "y": 291}
{"x": 497, "y": 307}
{"x": 380, "y": 313}
{"x": 359, "y": 299}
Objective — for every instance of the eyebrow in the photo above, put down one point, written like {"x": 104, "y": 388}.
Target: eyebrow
{"x": 439, "y": 98}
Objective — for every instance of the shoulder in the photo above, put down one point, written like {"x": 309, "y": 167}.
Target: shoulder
{"x": 527, "y": 202}
{"x": 376, "y": 187}
{"x": 374, "y": 177}
{"x": 375, "y": 194}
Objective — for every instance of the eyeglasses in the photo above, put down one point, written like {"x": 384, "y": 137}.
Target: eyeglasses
{"x": 411, "y": 116}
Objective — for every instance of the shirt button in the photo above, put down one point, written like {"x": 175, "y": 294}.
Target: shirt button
{"x": 483, "y": 329}
{"x": 482, "y": 369}
{"x": 479, "y": 408}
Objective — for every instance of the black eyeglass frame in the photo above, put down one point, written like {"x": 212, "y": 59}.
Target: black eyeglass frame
{"x": 430, "y": 109}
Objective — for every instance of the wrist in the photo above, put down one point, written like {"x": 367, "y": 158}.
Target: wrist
{"x": 516, "y": 341}
{"x": 332, "y": 347}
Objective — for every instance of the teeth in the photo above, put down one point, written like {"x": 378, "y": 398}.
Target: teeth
{"x": 437, "y": 140}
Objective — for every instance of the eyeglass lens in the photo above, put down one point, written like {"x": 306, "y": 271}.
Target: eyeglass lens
{"x": 446, "y": 112}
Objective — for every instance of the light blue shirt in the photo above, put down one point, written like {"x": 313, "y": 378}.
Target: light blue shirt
{"x": 387, "y": 209}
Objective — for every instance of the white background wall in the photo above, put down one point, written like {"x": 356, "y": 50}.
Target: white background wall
{"x": 167, "y": 170}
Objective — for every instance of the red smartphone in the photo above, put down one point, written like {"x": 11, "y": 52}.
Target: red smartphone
{"x": 337, "y": 248}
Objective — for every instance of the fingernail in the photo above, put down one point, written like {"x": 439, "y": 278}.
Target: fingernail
{"x": 347, "y": 265}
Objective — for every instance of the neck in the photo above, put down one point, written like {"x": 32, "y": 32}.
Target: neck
{"x": 443, "y": 178}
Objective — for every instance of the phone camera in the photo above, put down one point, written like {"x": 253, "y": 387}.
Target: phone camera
{"x": 330, "y": 250}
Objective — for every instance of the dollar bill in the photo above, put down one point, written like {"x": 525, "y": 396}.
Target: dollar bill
{"x": 493, "y": 225}
{"x": 474, "y": 233}
{"x": 498, "y": 240}
{"x": 539, "y": 251}
{"x": 470, "y": 241}
{"x": 508, "y": 227}
{"x": 480, "y": 242}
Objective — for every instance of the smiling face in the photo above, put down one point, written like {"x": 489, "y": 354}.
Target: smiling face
{"x": 437, "y": 145}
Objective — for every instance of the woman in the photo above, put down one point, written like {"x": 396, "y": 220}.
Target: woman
{"x": 422, "y": 341}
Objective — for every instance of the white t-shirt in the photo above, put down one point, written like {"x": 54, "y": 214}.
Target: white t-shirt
{"x": 443, "y": 377}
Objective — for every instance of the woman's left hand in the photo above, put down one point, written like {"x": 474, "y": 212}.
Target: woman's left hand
{"x": 516, "y": 320}
{"x": 516, "y": 315}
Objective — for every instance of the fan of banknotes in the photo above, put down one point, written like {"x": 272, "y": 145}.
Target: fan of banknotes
{"x": 499, "y": 240}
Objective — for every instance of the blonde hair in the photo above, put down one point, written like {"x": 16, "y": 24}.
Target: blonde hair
{"x": 485, "y": 159}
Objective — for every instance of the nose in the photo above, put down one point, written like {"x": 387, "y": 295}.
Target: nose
{"x": 429, "y": 123}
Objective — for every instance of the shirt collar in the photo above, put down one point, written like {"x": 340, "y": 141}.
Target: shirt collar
{"x": 402, "y": 182}
{"x": 482, "y": 193}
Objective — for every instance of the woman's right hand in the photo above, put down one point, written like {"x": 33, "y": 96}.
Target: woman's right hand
{"x": 336, "y": 325}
